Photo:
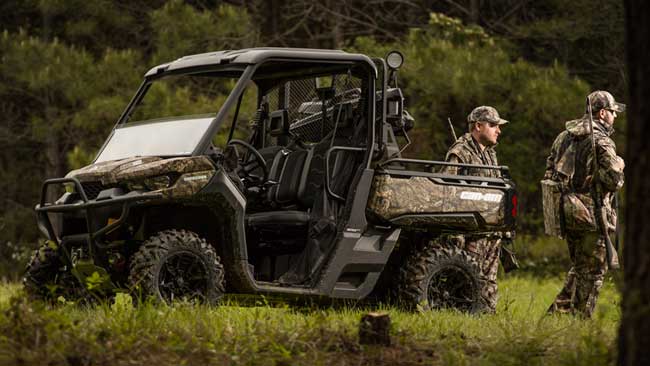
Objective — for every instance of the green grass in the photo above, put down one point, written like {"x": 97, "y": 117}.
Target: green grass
{"x": 542, "y": 255}
{"x": 121, "y": 334}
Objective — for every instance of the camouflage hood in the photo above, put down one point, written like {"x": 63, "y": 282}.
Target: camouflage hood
{"x": 111, "y": 172}
{"x": 580, "y": 127}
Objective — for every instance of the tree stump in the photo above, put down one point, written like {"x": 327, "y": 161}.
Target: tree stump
{"x": 374, "y": 329}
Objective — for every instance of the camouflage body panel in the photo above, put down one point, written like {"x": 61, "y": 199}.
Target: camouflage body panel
{"x": 466, "y": 151}
{"x": 188, "y": 184}
{"x": 134, "y": 169}
{"x": 392, "y": 197}
{"x": 105, "y": 170}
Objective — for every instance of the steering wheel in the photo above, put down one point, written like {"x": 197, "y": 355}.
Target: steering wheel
{"x": 245, "y": 168}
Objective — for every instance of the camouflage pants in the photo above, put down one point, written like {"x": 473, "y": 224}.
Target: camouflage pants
{"x": 486, "y": 249}
{"x": 585, "y": 278}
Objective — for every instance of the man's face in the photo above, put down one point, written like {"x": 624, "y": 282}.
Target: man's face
{"x": 487, "y": 133}
{"x": 608, "y": 116}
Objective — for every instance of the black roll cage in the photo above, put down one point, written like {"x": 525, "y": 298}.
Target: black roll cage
{"x": 247, "y": 72}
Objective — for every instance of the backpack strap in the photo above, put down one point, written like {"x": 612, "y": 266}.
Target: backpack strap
{"x": 565, "y": 162}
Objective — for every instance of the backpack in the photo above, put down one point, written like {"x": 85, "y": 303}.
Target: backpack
{"x": 564, "y": 209}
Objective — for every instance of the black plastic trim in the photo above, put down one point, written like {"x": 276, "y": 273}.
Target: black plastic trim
{"x": 470, "y": 221}
{"x": 505, "y": 171}
{"x": 327, "y": 167}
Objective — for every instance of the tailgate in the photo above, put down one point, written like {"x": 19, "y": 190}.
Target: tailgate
{"x": 416, "y": 198}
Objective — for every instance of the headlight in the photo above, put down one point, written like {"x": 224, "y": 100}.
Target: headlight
{"x": 157, "y": 183}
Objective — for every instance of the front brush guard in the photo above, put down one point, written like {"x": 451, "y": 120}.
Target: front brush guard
{"x": 127, "y": 201}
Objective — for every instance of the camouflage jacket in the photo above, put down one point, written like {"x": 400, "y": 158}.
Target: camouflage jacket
{"x": 466, "y": 150}
{"x": 570, "y": 162}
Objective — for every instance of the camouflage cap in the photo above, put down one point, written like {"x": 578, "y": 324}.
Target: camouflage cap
{"x": 601, "y": 99}
{"x": 485, "y": 113}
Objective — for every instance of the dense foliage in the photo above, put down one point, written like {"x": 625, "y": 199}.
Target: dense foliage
{"x": 67, "y": 68}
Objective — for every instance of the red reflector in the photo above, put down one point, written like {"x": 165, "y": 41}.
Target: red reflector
{"x": 514, "y": 205}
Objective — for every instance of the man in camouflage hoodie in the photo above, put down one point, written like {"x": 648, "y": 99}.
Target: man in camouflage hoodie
{"x": 477, "y": 147}
{"x": 570, "y": 163}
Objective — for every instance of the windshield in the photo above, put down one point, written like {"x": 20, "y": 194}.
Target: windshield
{"x": 156, "y": 138}
{"x": 171, "y": 117}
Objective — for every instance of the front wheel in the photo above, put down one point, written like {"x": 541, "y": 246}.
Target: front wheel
{"x": 439, "y": 277}
{"x": 177, "y": 264}
{"x": 46, "y": 277}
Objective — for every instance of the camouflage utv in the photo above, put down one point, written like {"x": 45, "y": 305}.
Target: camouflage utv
{"x": 283, "y": 175}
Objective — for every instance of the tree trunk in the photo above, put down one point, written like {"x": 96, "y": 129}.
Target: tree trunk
{"x": 54, "y": 168}
{"x": 337, "y": 26}
{"x": 268, "y": 14}
{"x": 474, "y": 11}
{"x": 375, "y": 329}
{"x": 634, "y": 333}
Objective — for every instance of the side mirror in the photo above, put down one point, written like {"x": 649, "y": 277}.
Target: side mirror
{"x": 394, "y": 105}
{"x": 399, "y": 119}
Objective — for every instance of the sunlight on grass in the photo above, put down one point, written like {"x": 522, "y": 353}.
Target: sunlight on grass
{"x": 7, "y": 290}
{"x": 120, "y": 332}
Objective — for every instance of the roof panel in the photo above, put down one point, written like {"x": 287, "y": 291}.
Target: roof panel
{"x": 258, "y": 55}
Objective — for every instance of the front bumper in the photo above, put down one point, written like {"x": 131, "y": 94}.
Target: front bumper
{"x": 85, "y": 206}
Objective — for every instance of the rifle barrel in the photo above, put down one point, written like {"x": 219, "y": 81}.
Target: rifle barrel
{"x": 599, "y": 211}
{"x": 451, "y": 127}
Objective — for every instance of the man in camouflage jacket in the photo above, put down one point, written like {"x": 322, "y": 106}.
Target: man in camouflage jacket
{"x": 570, "y": 163}
{"x": 477, "y": 147}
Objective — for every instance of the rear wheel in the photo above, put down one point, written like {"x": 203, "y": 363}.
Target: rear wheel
{"x": 177, "y": 264}
{"x": 439, "y": 277}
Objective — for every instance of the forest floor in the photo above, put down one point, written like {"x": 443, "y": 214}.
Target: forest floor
{"x": 262, "y": 332}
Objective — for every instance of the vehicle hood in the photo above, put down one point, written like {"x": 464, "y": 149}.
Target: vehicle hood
{"x": 129, "y": 169}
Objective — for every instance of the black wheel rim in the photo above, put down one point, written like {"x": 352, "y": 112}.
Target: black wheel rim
{"x": 183, "y": 275}
{"x": 451, "y": 287}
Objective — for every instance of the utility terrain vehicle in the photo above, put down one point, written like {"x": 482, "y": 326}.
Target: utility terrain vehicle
{"x": 266, "y": 171}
